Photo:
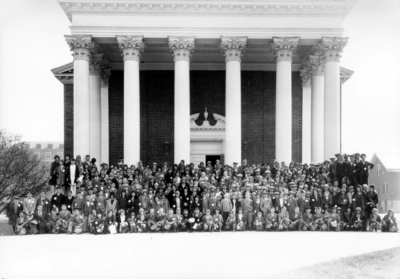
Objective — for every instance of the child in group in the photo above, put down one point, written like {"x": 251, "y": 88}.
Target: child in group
{"x": 296, "y": 220}
{"x": 132, "y": 227}
{"x": 230, "y": 223}
{"x": 347, "y": 224}
{"x": 327, "y": 216}
{"x": 98, "y": 224}
{"x": 21, "y": 224}
{"x": 259, "y": 222}
{"x": 141, "y": 222}
{"x": 91, "y": 219}
{"x": 284, "y": 220}
{"x": 76, "y": 223}
{"x": 319, "y": 220}
{"x": 374, "y": 221}
{"x": 31, "y": 225}
{"x": 218, "y": 220}
{"x": 334, "y": 224}
{"x": 389, "y": 223}
{"x": 171, "y": 224}
{"x": 198, "y": 223}
{"x": 122, "y": 222}
{"x": 109, "y": 221}
{"x": 358, "y": 219}
{"x": 271, "y": 220}
{"x": 240, "y": 220}
{"x": 308, "y": 220}
{"x": 54, "y": 224}
{"x": 208, "y": 221}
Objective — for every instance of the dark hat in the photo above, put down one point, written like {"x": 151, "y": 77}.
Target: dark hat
{"x": 307, "y": 208}
{"x": 326, "y": 205}
{"x": 363, "y": 155}
{"x": 58, "y": 187}
{"x": 337, "y": 154}
{"x": 352, "y": 156}
{"x": 358, "y": 208}
{"x": 333, "y": 158}
{"x": 357, "y": 154}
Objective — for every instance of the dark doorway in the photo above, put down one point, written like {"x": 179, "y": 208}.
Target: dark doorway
{"x": 213, "y": 158}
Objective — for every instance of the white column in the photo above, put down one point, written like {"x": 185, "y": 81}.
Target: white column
{"x": 181, "y": 48}
{"x": 233, "y": 48}
{"x": 95, "y": 107}
{"x": 317, "y": 109}
{"x": 105, "y": 138}
{"x": 131, "y": 47}
{"x": 81, "y": 46}
{"x": 305, "y": 74}
{"x": 284, "y": 49}
{"x": 332, "y": 48}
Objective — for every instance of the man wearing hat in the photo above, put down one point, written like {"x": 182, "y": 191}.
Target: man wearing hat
{"x": 352, "y": 171}
{"x": 342, "y": 201}
{"x": 371, "y": 202}
{"x": 350, "y": 197}
{"x": 363, "y": 170}
{"x": 341, "y": 169}
{"x": 44, "y": 202}
{"x": 29, "y": 203}
{"x": 271, "y": 220}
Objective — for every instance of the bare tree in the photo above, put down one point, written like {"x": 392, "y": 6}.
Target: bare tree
{"x": 21, "y": 171}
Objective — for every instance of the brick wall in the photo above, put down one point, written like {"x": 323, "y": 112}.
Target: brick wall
{"x": 69, "y": 119}
{"x": 116, "y": 116}
{"x": 157, "y": 116}
{"x": 207, "y": 90}
{"x": 297, "y": 111}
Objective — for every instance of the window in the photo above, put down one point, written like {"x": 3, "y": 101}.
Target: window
{"x": 379, "y": 189}
{"x": 385, "y": 188}
{"x": 60, "y": 154}
{"x": 37, "y": 154}
{"x": 378, "y": 169}
{"x": 47, "y": 156}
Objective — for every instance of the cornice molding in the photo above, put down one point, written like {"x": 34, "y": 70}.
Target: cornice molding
{"x": 317, "y": 65}
{"x": 298, "y": 8}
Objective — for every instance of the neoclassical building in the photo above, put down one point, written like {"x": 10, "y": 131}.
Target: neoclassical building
{"x": 201, "y": 80}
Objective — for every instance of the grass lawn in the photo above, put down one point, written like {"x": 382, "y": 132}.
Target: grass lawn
{"x": 376, "y": 265}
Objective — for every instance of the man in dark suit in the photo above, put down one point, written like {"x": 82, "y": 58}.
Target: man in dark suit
{"x": 14, "y": 209}
{"x": 44, "y": 203}
{"x": 332, "y": 169}
{"x": 341, "y": 169}
{"x": 68, "y": 200}
{"x": 352, "y": 172}
{"x": 372, "y": 200}
{"x": 363, "y": 170}
{"x": 41, "y": 217}
{"x": 57, "y": 199}
{"x": 87, "y": 208}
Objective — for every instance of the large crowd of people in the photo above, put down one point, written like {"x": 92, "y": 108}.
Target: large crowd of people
{"x": 331, "y": 196}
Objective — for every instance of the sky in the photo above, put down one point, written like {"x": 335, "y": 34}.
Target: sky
{"x": 32, "y": 43}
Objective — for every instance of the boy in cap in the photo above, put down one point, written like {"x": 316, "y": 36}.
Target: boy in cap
{"x": 326, "y": 216}
{"x": 41, "y": 218}
{"x": 132, "y": 227}
{"x": 271, "y": 220}
{"x": 21, "y": 224}
{"x": 160, "y": 219}
{"x": 141, "y": 221}
{"x": 375, "y": 221}
{"x": 78, "y": 202}
{"x": 64, "y": 218}
{"x": 296, "y": 220}
{"x": 44, "y": 202}
{"x": 308, "y": 220}
{"x": 122, "y": 222}
{"x": 183, "y": 220}
{"x": 151, "y": 220}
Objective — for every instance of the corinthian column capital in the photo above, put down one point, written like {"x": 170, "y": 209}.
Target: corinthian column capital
{"x": 80, "y": 46}
{"x": 306, "y": 74}
{"x": 284, "y": 47}
{"x": 181, "y": 47}
{"x": 232, "y": 47}
{"x": 131, "y": 47}
{"x": 332, "y": 48}
{"x": 317, "y": 65}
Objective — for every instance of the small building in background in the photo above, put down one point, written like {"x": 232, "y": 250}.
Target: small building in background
{"x": 386, "y": 177}
{"x": 47, "y": 150}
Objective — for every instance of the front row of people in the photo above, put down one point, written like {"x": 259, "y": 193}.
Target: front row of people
{"x": 127, "y": 222}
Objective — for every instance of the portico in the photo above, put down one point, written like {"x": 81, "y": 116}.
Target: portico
{"x": 236, "y": 48}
